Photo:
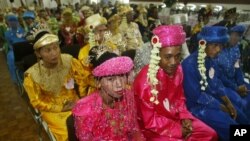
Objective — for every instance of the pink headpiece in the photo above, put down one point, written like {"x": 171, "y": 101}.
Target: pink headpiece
{"x": 169, "y": 35}
{"x": 114, "y": 66}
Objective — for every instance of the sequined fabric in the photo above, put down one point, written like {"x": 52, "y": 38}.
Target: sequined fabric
{"x": 171, "y": 35}
{"x": 96, "y": 122}
{"x": 114, "y": 66}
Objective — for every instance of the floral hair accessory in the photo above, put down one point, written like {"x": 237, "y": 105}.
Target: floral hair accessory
{"x": 154, "y": 67}
{"x": 114, "y": 66}
{"x": 164, "y": 36}
{"x": 201, "y": 64}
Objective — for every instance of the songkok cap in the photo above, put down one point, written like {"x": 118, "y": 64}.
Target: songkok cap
{"x": 28, "y": 14}
{"x": 124, "y": 9}
{"x": 12, "y": 18}
{"x": 169, "y": 35}
{"x": 214, "y": 34}
{"x": 93, "y": 21}
{"x": 67, "y": 11}
{"x": 239, "y": 29}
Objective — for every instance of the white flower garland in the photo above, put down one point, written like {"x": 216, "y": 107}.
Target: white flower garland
{"x": 201, "y": 64}
{"x": 153, "y": 69}
{"x": 91, "y": 40}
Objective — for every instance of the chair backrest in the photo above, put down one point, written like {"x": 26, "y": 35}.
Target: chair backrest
{"x": 24, "y": 55}
{"x": 22, "y": 49}
{"x": 71, "y": 128}
{"x": 72, "y": 50}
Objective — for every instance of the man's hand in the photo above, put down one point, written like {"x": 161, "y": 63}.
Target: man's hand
{"x": 68, "y": 105}
{"x": 242, "y": 90}
{"x": 232, "y": 111}
{"x": 229, "y": 109}
{"x": 186, "y": 128}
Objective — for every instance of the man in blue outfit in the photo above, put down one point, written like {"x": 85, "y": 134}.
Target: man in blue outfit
{"x": 14, "y": 34}
{"x": 205, "y": 93}
{"x": 229, "y": 65}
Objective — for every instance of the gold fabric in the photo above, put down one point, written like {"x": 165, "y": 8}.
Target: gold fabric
{"x": 132, "y": 36}
{"x": 197, "y": 28}
{"x": 93, "y": 21}
{"x": 38, "y": 83}
{"x": 46, "y": 40}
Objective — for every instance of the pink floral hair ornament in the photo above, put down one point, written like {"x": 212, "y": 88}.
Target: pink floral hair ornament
{"x": 164, "y": 36}
{"x": 114, "y": 66}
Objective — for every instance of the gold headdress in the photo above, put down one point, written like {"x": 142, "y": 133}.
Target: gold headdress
{"x": 93, "y": 21}
{"x": 86, "y": 11}
{"x": 67, "y": 11}
{"x": 46, "y": 39}
{"x": 124, "y": 9}
{"x": 141, "y": 9}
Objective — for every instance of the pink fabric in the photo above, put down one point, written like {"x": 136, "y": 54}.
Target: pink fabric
{"x": 170, "y": 35}
{"x": 157, "y": 123}
{"x": 94, "y": 122}
{"x": 114, "y": 66}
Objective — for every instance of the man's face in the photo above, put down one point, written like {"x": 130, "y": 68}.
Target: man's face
{"x": 50, "y": 54}
{"x": 99, "y": 32}
{"x": 213, "y": 49}
{"x": 130, "y": 16}
{"x": 170, "y": 59}
{"x": 234, "y": 38}
{"x": 29, "y": 21}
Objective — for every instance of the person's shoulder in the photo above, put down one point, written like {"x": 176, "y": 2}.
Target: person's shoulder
{"x": 85, "y": 105}
{"x": 143, "y": 72}
{"x": 32, "y": 69}
{"x": 190, "y": 59}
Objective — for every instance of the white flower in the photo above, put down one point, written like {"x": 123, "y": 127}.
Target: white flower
{"x": 153, "y": 69}
{"x": 203, "y": 88}
{"x": 201, "y": 66}
{"x": 206, "y": 84}
{"x": 152, "y": 99}
{"x": 156, "y": 102}
{"x": 154, "y": 92}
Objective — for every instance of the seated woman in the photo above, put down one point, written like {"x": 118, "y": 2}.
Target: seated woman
{"x": 50, "y": 83}
{"x": 109, "y": 112}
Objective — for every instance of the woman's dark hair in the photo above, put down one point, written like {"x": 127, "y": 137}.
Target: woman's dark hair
{"x": 97, "y": 60}
{"x": 129, "y": 53}
{"x": 39, "y": 35}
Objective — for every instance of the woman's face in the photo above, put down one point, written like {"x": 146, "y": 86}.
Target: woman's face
{"x": 50, "y": 54}
{"x": 213, "y": 49}
{"x": 114, "y": 86}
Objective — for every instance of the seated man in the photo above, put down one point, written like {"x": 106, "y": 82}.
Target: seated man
{"x": 51, "y": 83}
{"x": 206, "y": 96}
{"x": 159, "y": 93}
{"x": 229, "y": 63}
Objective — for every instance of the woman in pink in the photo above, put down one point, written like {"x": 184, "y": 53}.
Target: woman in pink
{"x": 109, "y": 113}
{"x": 162, "y": 111}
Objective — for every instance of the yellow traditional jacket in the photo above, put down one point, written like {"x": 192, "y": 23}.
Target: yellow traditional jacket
{"x": 50, "y": 89}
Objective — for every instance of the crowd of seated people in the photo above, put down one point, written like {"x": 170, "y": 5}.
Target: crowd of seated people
{"x": 120, "y": 74}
